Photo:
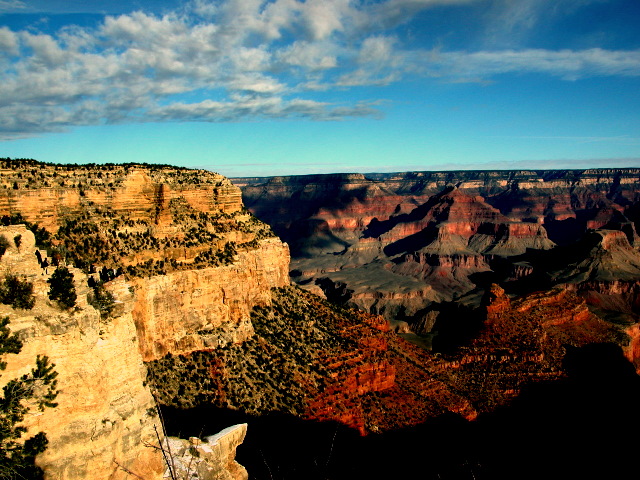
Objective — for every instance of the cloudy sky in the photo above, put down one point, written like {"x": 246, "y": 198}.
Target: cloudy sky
{"x": 252, "y": 87}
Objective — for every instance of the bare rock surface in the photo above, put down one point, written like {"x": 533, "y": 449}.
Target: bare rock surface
{"x": 101, "y": 427}
{"x": 210, "y": 459}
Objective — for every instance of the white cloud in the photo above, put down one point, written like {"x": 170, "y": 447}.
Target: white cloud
{"x": 238, "y": 59}
{"x": 11, "y": 6}
{"x": 567, "y": 64}
{"x": 324, "y": 17}
{"x": 8, "y": 41}
{"x": 312, "y": 56}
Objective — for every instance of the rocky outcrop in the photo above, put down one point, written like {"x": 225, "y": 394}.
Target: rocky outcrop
{"x": 608, "y": 258}
{"x": 522, "y": 340}
{"x": 212, "y": 304}
{"x": 45, "y": 194}
{"x": 210, "y": 459}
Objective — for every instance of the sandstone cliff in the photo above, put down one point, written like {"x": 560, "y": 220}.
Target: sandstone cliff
{"x": 102, "y": 424}
{"x": 183, "y": 264}
{"x": 190, "y": 310}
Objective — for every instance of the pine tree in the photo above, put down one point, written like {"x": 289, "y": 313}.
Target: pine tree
{"x": 62, "y": 288}
{"x": 17, "y": 293}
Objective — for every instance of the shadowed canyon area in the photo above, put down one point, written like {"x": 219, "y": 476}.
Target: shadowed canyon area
{"x": 472, "y": 325}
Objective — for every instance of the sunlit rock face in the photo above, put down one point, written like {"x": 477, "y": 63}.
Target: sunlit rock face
{"x": 210, "y": 459}
{"x": 397, "y": 243}
{"x": 103, "y": 420}
{"x": 207, "y": 308}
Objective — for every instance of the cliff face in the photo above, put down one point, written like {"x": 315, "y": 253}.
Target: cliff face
{"x": 102, "y": 423}
{"x": 396, "y": 244}
{"x": 184, "y": 263}
{"x": 208, "y": 308}
{"x": 46, "y": 194}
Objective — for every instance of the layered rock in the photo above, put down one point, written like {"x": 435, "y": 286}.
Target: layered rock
{"x": 397, "y": 243}
{"x": 46, "y": 194}
{"x": 609, "y": 259}
{"x": 208, "y": 308}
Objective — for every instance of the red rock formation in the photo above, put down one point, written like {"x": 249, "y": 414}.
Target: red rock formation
{"x": 522, "y": 341}
{"x": 354, "y": 373}
{"x": 498, "y": 303}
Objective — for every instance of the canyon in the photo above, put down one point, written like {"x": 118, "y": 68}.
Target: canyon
{"x": 402, "y": 244}
{"x": 472, "y": 290}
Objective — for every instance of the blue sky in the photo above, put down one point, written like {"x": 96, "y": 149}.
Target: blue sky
{"x": 254, "y": 88}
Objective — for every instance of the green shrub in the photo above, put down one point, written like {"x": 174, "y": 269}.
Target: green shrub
{"x": 102, "y": 300}
{"x": 4, "y": 244}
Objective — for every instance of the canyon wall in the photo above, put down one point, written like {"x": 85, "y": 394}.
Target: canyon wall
{"x": 184, "y": 264}
{"x": 190, "y": 310}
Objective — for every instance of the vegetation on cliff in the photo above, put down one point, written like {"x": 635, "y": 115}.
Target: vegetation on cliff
{"x": 279, "y": 369}
{"x": 177, "y": 219}
{"x": 62, "y": 288}
{"x": 17, "y": 292}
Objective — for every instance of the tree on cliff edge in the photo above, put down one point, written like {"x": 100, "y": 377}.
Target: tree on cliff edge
{"x": 62, "y": 288}
{"x": 34, "y": 390}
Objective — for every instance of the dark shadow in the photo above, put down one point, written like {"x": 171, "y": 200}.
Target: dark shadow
{"x": 377, "y": 227}
{"x": 336, "y": 292}
{"x": 580, "y": 427}
{"x": 457, "y": 325}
